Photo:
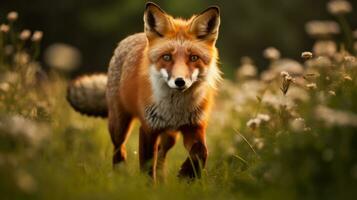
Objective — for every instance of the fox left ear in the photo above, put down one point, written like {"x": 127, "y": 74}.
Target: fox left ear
{"x": 206, "y": 25}
{"x": 157, "y": 22}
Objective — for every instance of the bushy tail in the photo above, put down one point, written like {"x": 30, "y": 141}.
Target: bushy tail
{"x": 86, "y": 94}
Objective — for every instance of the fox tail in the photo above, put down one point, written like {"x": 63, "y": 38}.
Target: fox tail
{"x": 87, "y": 95}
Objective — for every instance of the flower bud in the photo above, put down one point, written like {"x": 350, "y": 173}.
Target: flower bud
{"x": 25, "y": 35}
{"x": 37, "y": 36}
{"x": 12, "y": 16}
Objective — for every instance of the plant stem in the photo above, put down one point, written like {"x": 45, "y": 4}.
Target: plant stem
{"x": 347, "y": 32}
{"x": 2, "y": 64}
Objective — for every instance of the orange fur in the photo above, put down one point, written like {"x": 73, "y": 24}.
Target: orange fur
{"x": 141, "y": 84}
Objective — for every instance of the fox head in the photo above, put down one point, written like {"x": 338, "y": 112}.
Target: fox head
{"x": 182, "y": 52}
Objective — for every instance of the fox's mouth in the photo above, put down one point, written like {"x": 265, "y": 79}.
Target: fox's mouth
{"x": 182, "y": 89}
{"x": 178, "y": 83}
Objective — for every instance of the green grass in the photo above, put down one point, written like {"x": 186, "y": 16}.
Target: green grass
{"x": 78, "y": 165}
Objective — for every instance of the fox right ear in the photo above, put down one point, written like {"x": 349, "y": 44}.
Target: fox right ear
{"x": 206, "y": 25}
{"x": 157, "y": 22}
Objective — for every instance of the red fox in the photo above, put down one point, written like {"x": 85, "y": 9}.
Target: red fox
{"x": 166, "y": 78}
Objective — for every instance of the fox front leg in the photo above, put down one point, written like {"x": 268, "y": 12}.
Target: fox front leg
{"x": 195, "y": 142}
{"x": 148, "y": 150}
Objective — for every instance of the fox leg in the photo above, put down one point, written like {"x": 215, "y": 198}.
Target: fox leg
{"x": 167, "y": 141}
{"x": 148, "y": 147}
{"x": 194, "y": 137}
{"x": 119, "y": 128}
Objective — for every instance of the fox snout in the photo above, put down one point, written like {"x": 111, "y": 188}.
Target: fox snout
{"x": 179, "y": 81}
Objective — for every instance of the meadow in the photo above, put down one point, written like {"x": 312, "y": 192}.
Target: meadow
{"x": 288, "y": 132}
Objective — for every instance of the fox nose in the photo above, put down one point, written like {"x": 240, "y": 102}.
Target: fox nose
{"x": 180, "y": 82}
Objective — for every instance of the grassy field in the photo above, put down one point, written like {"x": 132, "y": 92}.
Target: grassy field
{"x": 288, "y": 132}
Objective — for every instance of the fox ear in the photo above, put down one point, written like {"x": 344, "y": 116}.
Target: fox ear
{"x": 206, "y": 25}
{"x": 157, "y": 22}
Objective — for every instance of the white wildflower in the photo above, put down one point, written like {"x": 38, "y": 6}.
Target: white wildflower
{"x": 320, "y": 62}
{"x": 12, "y": 16}
{"x": 298, "y": 94}
{"x": 284, "y": 74}
{"x": 298, "y": 124}
{"x": 306, "y": 55}
{"x": 247, "y": 69}
{"x": 25, "y": 34}
{"x": 37, "y": 36}
{"x": 258, "y": 143}
{"x": 271, "y": 53}
{"x": 311, "y": 86}
{"x": 289, "y": 65}
{"x": 339, "y": 7}
{"x": 22, "y": 58}
{"x": 4, "y": 87}
{"x": 63, "y": 57}
{"x": 322, "y": 29}
{"x": 268, "y": 75}
{"x": 18, "y": 127}
{"x": 4, "y": 28}
{"x": 254, "y": 123}
{"x": 347, "y": 77}
{"x": 350, "y": 59}
{"x": 332, "y": 93}
{"x": 325, "y": 48}
{"x": 287, "y": 79}
{"x": 335, "y": 117}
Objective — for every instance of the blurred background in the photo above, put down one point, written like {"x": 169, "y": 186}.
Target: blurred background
{"x": 248, "y": 26}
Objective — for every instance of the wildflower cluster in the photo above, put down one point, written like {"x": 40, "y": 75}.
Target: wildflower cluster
{"x": 30, "y": 101}
{"x": 309, "y": 111}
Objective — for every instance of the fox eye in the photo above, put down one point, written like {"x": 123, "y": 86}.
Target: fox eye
{"x": 167, "y": 57}
{"x": 193, "y": 58}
